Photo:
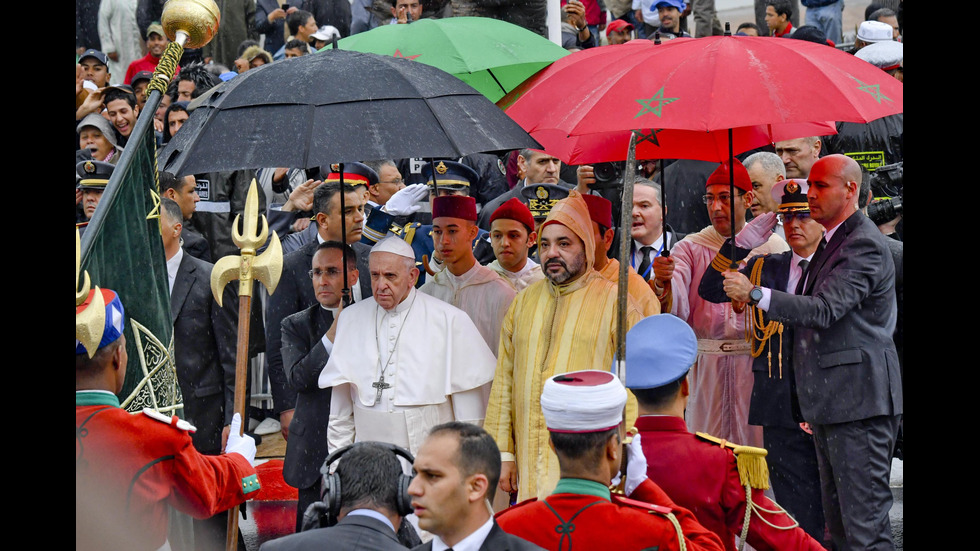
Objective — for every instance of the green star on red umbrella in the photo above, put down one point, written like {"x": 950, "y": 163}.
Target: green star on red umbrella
{"x": 650, "y": 107}
{"x": 873, "y": 89}
{"x": 398, "y": 53}
{"x": 651, "y": 137}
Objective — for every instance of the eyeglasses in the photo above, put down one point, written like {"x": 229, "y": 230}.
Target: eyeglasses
{"x": 787, "y": 216}
{"x": 725, "y": 198}
{"x": 320, "y": 273}
{"x": 399, "y": 181}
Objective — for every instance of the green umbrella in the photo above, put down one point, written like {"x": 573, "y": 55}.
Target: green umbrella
{"x": 490, "y": 55}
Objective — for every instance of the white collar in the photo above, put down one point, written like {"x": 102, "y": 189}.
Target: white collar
{"x": 174, "y": 264}
{"x": 373, "y": 514}
{"x": 402, "y": 306}
{"x": 471, "y": 542}
{"x": 831, "y": 231}
{"x": 657, "y": 243}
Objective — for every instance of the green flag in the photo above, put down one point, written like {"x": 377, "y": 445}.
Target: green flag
{"x": 123, "y": 251}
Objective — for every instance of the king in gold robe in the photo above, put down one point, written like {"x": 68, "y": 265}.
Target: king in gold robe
{"x": 551, "y": 329}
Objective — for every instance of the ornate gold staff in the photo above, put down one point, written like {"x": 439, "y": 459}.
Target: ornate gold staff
{"x": 266, "y": 267}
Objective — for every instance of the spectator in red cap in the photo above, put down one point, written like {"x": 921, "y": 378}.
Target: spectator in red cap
{"x": 464, "y": 283}
{"x": 619, "y": 32}
{"x": 721, "y": 381}
{"x": 512, "y": 236}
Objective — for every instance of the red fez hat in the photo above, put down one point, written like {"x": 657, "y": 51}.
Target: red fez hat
{"x": 720, "y": 176}
{"x": 600, "y": 210}
{"x": 454, "y": 206}
{"x": 514, "y": 209}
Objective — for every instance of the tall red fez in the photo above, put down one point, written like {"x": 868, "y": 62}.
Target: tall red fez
{"x": 600, "y": 210}
{"x": 454, "y": 206}
{"x": 720, "y": 176}
{"x": 514, "y": 209}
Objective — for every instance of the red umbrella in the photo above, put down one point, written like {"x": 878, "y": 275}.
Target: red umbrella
{"x": 601, "y": 147}
{"x": 701, "y": 85}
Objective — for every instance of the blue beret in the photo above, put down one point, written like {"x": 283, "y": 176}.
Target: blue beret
{"x": 659, "y": 350}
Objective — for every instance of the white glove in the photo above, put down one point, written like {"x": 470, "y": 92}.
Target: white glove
{"x": 756, "y": 232}
{"x": 636, "y": 467}
{"x": 242, "y": 445}
{"x": 406, "y": 201}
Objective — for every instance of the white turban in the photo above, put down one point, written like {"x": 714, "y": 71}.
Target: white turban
{"x": 583, "y": 401}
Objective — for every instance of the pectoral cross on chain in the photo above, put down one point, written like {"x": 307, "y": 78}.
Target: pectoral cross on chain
{"x": 381, "y": 385}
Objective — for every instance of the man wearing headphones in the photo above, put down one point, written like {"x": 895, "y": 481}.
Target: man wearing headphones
{"x": 366, "y": 498}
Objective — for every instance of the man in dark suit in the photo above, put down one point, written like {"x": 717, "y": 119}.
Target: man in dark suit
{"x": 184, "y": 192}
{"x": 847, "y": 370}
{"x": 792, "y": 458}
{"x": 369, "y": 476}
{"x": 205, "y": 337}
{"x": 295, "y": 293}
{"x": 307, "y": 339}
{"x": 457, "y": 468}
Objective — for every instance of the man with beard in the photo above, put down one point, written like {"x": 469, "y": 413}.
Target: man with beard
{"x": 565, "y": 322}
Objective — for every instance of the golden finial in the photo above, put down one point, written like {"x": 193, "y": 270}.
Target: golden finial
{"x": 198, "y": 20}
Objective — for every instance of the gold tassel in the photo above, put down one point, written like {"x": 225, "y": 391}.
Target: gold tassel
{"x": 752, "y": 467}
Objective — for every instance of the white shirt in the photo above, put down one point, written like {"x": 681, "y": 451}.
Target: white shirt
{"x": 173, "y": 264}
{"x": 650, "y": 14}
{"x": 326, "y": 342}
{"x": 795, "y": 273}
{"x": 471, "y": 542}
{"x": 520, "y": 279}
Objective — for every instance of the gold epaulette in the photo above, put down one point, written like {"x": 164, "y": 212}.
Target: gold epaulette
{"x": 410, "y": 232}
{"x": 395, "y": 229}
{"x": 750, "y": 461}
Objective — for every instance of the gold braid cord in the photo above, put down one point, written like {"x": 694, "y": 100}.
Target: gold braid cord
{"x": 166, "y": 68}
{"x": 682, "y": 544}
{"x": 758, "y": 331}
{"x": 162, "y": 76}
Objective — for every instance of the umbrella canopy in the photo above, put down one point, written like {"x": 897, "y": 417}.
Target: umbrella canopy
{"x": 699, "y": 85}
{"x": 602, "y": 147}
{"x": 490, "y": 55}
{"x": 338, "y": 106}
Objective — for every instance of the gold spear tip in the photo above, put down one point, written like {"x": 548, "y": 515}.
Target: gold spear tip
{"x": 199, "y": 19}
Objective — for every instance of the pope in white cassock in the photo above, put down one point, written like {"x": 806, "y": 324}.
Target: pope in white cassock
{"x": 402, "y": 361}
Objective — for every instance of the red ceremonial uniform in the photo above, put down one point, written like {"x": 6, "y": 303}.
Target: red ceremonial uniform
{"x": 703, "y": 477}
{"x": 581, "y": 515}
{"x": 129, "y": 468}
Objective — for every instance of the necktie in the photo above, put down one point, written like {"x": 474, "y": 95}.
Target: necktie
{"x": 644, "y": 268}
{"x": 805, "y": 265}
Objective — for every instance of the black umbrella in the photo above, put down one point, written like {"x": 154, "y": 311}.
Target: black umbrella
{"x": 336, "y": 106}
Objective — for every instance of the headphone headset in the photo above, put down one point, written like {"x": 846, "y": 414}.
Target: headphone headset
{"x": 331, "y": 490}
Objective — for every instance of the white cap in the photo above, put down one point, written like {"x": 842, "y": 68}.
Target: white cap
{"x": 394, "y": 245}
{"x": 882, "y": 54}
{"x": 583, "y": 401}
{"x": 326, "y": 32}
{"x": 875, "y": 31}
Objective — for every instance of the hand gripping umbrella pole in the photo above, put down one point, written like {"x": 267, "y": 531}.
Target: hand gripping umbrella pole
{"x": 265, "y": 267}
